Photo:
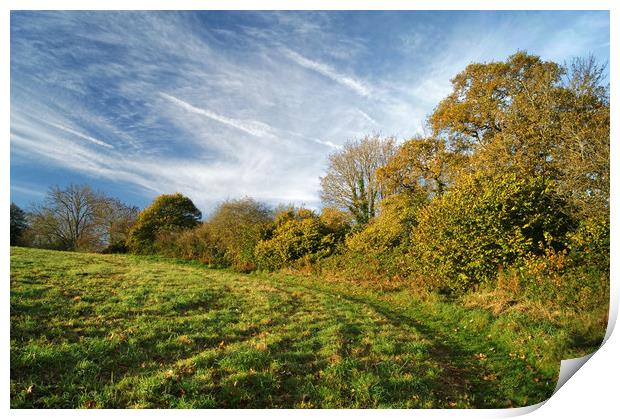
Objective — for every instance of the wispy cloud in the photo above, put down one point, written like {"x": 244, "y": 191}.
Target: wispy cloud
{"x": 79, "y": 134}
{"x": 329, "y": 72}
{"x": 256, "y": 128}
{"x": 30, "y": 191}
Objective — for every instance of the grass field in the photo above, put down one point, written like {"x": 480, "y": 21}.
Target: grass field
{"x": 93, "y": 331}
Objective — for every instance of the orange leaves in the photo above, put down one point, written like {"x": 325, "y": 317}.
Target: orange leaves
{"x": 185, "y": 340}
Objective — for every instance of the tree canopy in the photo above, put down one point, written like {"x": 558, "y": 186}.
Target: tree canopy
{"x": 78, "y": 218}
{"x": 19, "y": 224}
{"x": 351, "y": 180}
{"x": 166, "y": 213}
{"x": 533, "y": 117}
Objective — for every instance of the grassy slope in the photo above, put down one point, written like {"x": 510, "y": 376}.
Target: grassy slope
{"x": 123, "y": 331}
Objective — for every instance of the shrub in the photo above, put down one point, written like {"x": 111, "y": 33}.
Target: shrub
{"x": 166, "y": 214}
{"x": 576, "y": 277}
{"x": 391, "y": 228}
{"x": 228, "y": 237}
{"x": 118, "y": 246}
{"x": 589, "y": 243}
{"x": 464, "y": 236}
{"x": 378, "y": 250}
{"x": 297, "y": 233}
{"x": 200, "y": 244}
{"x": 233, "y": 231}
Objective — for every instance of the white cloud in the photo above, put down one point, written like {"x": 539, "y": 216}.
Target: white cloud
{"x": 327, "y": 71}
{"x": 256, "y": 128}
{"x": 79, "y": 134}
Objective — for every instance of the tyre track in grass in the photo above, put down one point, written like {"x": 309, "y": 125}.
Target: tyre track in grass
{"x": 464, "y": 371}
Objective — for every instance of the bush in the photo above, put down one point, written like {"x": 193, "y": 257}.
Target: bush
{"x": 483, "y": 224}
{"x": 200, "y": 244}
{"x": 378, "y": 250}
{"x": 589, "y": 244}
{"x": 118, "y": 246}
{"x": 228, "y": 237}
{"x": 167, "y": 214}
{"x": 233, "y": 231}
{"x": 297, "y": 233}
{"x": 576, "y": 277}
{"x": 391, "y": 228}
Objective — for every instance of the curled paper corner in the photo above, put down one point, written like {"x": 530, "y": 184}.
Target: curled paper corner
{"x": 568, "y": 368}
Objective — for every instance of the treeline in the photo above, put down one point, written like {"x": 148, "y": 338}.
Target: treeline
{"x": 74, "y": 218}
{"x": 509, "y": 189}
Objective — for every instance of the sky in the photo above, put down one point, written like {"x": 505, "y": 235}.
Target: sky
{"x": 222, "y": 105}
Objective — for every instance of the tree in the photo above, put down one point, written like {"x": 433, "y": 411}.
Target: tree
{"x": 114, "y": 220}
{"x": 533, "y": 118}
{"x": 486, "y": 98}
{"x": 420, "y": 164}
{"x": 351, "y": 182}
{"x": 584, "y": 152}
{"x": 167, "y": 213}
{"x": 66, "y": 219}
{"x": 78, "y": 218}
{"x": 19, "y": 224}
{"x": 237, "y": 226}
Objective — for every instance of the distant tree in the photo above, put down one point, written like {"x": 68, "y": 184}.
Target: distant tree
{"x": 78, "y": 218}
{"x": 166, "y": 213}
{"x": 19, "y": 224}
{"x": 66, "y": 219}
{"x": 351, "y": 183}
{"x": 115, "y": 219}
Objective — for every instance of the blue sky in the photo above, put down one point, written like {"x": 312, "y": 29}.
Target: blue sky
{"x": 220, "y": 105}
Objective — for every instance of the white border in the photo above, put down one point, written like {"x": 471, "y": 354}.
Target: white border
{"x": 593, "y": 390}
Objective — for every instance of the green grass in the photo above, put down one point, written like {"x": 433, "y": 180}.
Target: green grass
{"x": 125, "y": 331}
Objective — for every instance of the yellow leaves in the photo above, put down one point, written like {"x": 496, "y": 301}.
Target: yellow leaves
{"x": 117, "y": 336}
{"x": 169, "y": 374}
{"x": 186, "y": 367}
{"x": 334, "y": 359}
{"x": 185, "y": 340}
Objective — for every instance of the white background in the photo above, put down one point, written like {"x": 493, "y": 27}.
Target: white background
{"x": 593, "y": 392}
